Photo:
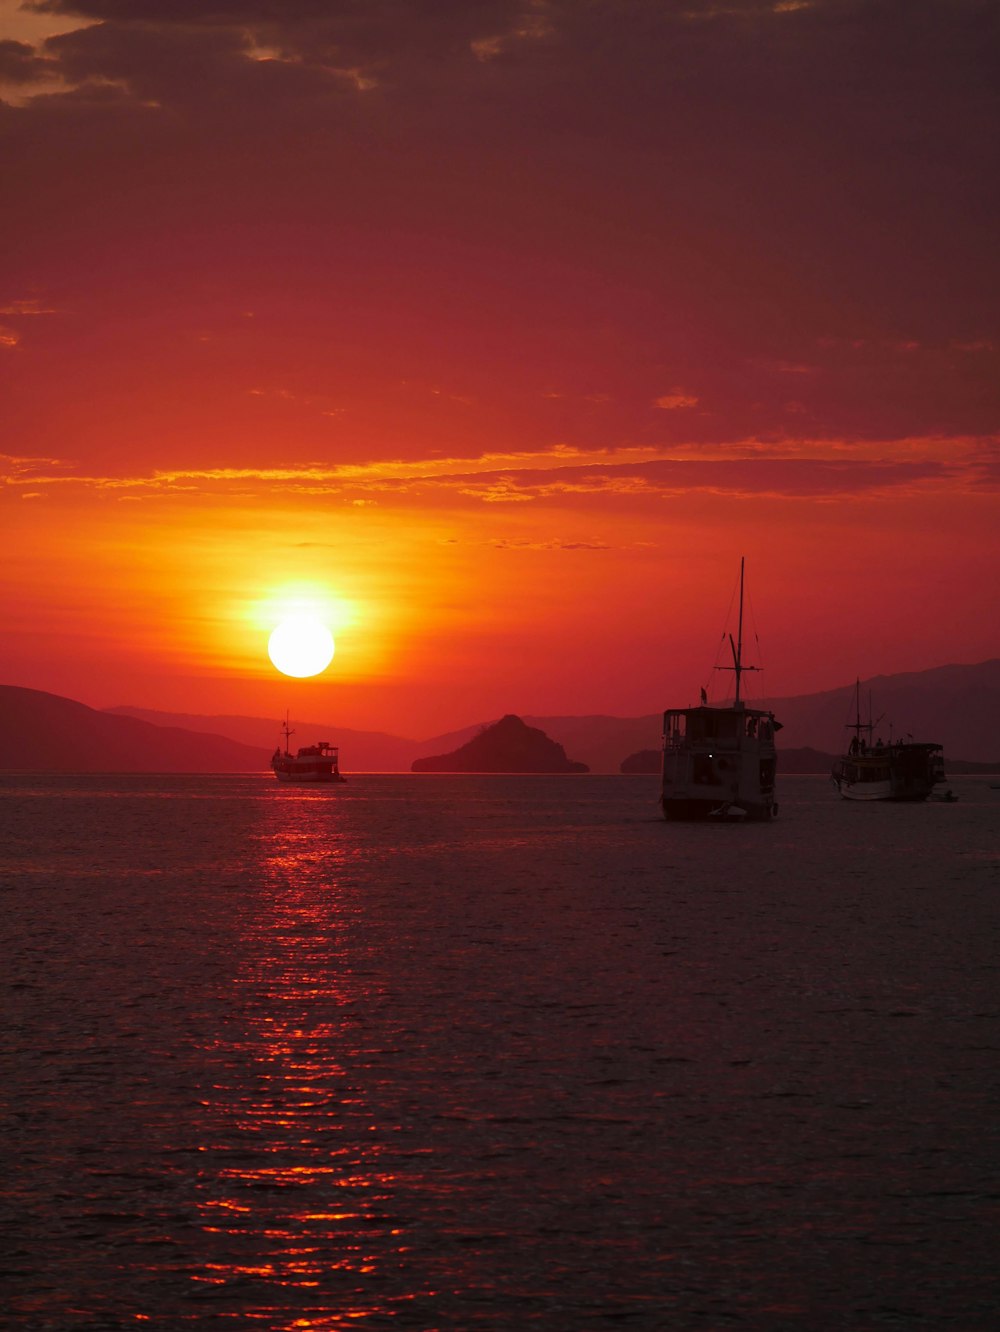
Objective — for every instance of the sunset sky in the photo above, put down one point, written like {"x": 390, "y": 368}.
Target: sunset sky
{"x": 495, "y": 331}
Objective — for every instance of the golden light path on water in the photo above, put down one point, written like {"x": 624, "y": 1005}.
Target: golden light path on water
{"x": 301, "y": 1183}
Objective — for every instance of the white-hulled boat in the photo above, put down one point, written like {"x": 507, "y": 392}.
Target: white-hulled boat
{"x": 314, "y": 763}
{"x": 899, "y": 770}
{"x": 720, "y": 762}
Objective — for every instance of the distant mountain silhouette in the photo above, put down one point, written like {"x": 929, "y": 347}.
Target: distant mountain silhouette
{"x": 643, "y": 760}
{"x": 804, "y": 761}
{"x": 955, "y": 706}
{"x": 42, "y": 732}
{"x": 602, "y": 741}
{"x": 506, "y": 746}
{"x": 360, "y": 751}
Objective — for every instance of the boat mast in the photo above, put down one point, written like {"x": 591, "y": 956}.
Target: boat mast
{"x": 857, "y": 726}
{"x": 737, "y": 648}
{"x": 288, "y": 733}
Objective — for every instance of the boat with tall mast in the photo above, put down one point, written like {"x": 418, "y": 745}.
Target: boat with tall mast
{"x": 313, "y": 763}
{"x": 720, "y": 762}
{"x": 874, "y": 770}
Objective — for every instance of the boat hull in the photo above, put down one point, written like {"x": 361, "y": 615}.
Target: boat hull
{"x": 314, "y": 763}
{"x": 904, "y": 771}
{"x": 868, "y": 791}
{"x": 863, "y": 790}
{"x": 726, "y": 811}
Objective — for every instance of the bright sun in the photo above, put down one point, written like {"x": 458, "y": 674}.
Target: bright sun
{"x": 301, "y": 645}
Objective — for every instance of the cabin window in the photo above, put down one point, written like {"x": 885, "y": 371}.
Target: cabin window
{"x": 719, "y": 725}
{"x": 710, "y": 724}
{"x": 729, "y": 725}
{"x": 674, "y": 727}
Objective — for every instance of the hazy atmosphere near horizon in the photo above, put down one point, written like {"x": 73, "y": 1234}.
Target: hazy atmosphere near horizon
{"x": 492, "y": 335}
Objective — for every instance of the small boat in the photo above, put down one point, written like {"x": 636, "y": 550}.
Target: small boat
{"x": 720, "y": 762}
{"x": 899, "y": 770}
{"x": 314, "y": 763}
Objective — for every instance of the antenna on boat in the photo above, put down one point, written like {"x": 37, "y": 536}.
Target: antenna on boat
{"x": 287, "y": 732}
{"x": 737, "y": 648}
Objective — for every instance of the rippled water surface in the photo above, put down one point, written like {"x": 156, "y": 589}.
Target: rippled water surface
{"x": 498, "y": 1053}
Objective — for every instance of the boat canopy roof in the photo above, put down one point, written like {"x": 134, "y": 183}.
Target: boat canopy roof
{"x": 706, "y": 709}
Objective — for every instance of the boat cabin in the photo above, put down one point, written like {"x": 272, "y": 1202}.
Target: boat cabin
{"x": 718, "y": 762}
{"x": 692, "y": 725}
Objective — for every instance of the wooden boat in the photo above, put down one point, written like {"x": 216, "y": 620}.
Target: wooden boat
{"x": 313, "y": 763}
{"x": 720, "y": 762}
{"x": 897, "y": 770}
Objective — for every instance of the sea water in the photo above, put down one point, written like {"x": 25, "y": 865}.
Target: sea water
{"x": 495, "y": 1053}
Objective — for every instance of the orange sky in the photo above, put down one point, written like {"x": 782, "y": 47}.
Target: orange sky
{"x": 500, "y": 333}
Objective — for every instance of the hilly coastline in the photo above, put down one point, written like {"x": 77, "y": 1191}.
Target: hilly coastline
{"x": 956, "y": 706}
{"x": 42, "y": 732}
{"x": 366, "y": 751}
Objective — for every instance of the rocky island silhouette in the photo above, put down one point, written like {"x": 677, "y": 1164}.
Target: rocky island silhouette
{"x": 506, "y": 746}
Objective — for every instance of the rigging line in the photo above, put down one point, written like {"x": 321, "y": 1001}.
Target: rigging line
{"x": 723, "y": 640}
{"x": 756, "y": 639}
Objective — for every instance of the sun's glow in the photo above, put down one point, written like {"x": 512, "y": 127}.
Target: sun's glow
{"x": 301, "y": 645}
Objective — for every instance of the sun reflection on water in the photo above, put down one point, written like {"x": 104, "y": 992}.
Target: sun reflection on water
{"x": 292, "y": 1188}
